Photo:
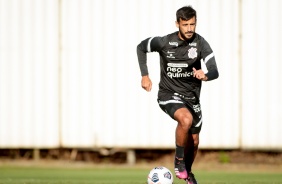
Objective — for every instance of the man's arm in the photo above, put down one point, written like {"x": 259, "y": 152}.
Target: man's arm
{"x": 209, "y": 61}
{"x": 152, "y": 44}
{"x": 142, "y": 56}
{"x": 212, "y": 68}
{"x": 146, "y": 82}
{"x": 147, "y": 45}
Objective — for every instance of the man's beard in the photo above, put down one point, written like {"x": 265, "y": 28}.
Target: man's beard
{"x": 184, "y": 36}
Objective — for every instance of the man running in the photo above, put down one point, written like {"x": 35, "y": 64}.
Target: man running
{"x": 181, "y": 54}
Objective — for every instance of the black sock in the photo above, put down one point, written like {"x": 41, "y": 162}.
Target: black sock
{"x": 179, "y": 151}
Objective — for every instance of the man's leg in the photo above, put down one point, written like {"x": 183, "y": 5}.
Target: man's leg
{"x": 191, "y": 150}
{"x": 184, "y": 121}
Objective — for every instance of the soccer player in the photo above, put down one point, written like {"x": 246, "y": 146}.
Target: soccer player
{"x": 181, "y": 54}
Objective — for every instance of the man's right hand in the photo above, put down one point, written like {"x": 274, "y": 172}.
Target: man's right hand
{"x": 146, "y": 83}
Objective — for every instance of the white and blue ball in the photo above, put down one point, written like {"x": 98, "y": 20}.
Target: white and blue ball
{"x": 160, "y": 175}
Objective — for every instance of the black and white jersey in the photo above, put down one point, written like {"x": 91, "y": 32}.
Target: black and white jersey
{"x": 177, "y": 59}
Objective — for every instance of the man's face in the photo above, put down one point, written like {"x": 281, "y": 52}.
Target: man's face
{"x": 186, "y": 28}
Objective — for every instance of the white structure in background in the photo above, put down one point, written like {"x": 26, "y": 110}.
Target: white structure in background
{"x": 69, "y": 75}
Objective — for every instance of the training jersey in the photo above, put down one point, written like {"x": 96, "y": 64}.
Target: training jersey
{"x": 177, "y": 59}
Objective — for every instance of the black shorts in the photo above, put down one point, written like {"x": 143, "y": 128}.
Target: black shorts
{"x": 177, "y": 101}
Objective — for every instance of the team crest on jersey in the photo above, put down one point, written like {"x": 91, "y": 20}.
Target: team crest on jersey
{"x": 192, "y": 53}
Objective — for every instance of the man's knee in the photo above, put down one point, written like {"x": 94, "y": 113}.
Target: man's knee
{"x": 183, "y": 117}
{"x": 185, "y": 122}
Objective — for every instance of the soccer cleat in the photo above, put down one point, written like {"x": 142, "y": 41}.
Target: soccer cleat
{"x": 179, "y": 168}
{"x": 191, "y": 179}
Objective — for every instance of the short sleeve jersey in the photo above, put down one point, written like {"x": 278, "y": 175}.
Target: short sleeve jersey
{"x": 177, "y": 60}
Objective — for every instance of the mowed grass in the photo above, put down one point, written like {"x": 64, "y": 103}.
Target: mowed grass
{"x": 122, "y": 175}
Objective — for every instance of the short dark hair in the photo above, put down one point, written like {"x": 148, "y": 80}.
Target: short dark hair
{"x": 185, "y": 13}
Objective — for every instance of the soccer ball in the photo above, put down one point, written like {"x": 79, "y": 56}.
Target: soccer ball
{"x": 160, "y": 175}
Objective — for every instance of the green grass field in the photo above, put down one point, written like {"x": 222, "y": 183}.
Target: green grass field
{"x": 122, "y": 175}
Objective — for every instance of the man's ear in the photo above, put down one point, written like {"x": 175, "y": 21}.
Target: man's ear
{"x": 176, "y": 24}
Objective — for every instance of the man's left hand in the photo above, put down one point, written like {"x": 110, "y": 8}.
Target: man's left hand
{"x": 199, "y": 74}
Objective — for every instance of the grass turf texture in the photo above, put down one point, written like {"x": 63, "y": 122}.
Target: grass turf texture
{"x": 122, "y": 175}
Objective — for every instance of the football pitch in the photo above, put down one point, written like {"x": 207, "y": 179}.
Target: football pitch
{"x": 123, "y": 175}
